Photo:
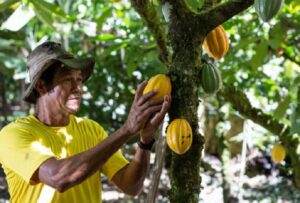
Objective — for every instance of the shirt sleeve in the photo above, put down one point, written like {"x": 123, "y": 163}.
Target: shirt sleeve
{"x": 116, "y": 162}
{"x": 21, "y": 152}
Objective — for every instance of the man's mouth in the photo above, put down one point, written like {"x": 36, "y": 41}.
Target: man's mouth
{"x": 74, "y": 98}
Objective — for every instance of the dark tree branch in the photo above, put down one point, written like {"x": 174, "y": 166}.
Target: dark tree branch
{"x": 223, "y": 12}
{"x": 240, "y": 102}
{"x": 203, "y": 22}
{"x": 148, "y": 13}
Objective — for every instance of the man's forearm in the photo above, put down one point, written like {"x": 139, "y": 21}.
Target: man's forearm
{"x": 65, "y": 173}
{"x": 130, "y": 179}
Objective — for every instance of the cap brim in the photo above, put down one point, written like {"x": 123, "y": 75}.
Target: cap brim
{"x": 86, "y": 65}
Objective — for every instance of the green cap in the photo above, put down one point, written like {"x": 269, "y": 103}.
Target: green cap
{"x": 46, "y": 54}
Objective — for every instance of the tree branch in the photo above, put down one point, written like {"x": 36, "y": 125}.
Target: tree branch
{"x": 240, "y": 102}
{"x": 203, "y": 22}
{"x": 148, "y": 13}
{"x": 223, "y": 12}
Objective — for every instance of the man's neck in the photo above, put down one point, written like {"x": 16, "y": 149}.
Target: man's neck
{"x": 53, "y": 121}
{"x": 50, "y": 117}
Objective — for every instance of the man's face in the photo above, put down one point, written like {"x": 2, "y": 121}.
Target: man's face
{"x": 66, "y": 92}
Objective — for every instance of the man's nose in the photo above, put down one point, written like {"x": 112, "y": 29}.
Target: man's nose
{"x": 77, "y": 86}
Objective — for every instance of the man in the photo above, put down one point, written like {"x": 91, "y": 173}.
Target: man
{"x": 54, "y": 156}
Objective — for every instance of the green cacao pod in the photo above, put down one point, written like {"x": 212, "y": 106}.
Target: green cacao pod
{"x": 216, "y": 43}
{"x": 211, "y": 80}
{"x": 267, "y": 9}
{"x": 179, "y": 136}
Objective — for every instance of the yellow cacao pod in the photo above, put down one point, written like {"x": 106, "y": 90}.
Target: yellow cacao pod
{"x": 216, "y": 43}
{"x": 161, "y": 83}
{"x": 179, "y": 136}
{"x": 278, "y": 153}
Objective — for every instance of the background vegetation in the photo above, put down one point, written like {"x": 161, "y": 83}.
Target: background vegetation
{"x": 257, "y": 107}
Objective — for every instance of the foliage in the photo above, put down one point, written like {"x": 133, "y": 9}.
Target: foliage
{"x": 109, "y": 32}
{"x": 263, "y": 59}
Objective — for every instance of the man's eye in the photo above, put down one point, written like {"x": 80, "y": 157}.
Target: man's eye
{"x": 67, "y": 79}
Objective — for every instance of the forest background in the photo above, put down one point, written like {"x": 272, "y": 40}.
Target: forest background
{"x": 257, "y": 107}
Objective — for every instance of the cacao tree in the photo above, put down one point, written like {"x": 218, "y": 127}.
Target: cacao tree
{"x": 180, "y": 51}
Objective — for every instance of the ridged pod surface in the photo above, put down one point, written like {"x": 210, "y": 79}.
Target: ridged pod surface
{"x": 211, "y": 80}
{"x": 278, "y": 153}
{"x": 267, "y": 9}
{"x": 179, "y": 136}
{"x": 161, "y": 83}
{"x": 216, "y": 43}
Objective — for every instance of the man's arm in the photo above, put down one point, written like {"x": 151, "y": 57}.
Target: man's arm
{"x": 65, "y": 173}
{"x": 130, "y": 179}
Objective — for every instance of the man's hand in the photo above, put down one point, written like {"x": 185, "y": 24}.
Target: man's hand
{"x": 143, "y": 107}
{"x": 147, "y": 133}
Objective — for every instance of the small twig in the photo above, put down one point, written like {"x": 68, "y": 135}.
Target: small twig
{"x": 160, "y": 149}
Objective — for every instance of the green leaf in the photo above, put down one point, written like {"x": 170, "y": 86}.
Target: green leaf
{"x": 295, "y": 122}
{"x": 154, "y": 2}
{"x": 10, "y": 63}
{"x": 282, "y": 107}
{"x": 296, "y": 81}
{"x": 194, "y": 4}
{"x": 114, "y": 47}
{"x": 5, "y": 71}
{"x": 106, "y": 37}
{"x": 102, "y": 18}
{"x": 274, "y": 43}
{"x": 131, "y": 67}
{"x": 6, "y": 4}
{"x": 244, "y": 43}
{"x": 5, "y": 43}
{"x": 259, "y": 57}
{"x": 44, "y": 17}
{"x": 276, "y": 34}
{"x": 50, "y": 8}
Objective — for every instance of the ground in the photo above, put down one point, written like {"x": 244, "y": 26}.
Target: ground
{"x": 268, "y": 187}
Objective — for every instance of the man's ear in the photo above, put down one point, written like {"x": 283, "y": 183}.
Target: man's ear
{"x": 40, "y": 87}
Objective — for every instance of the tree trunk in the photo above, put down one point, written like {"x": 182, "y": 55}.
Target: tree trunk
{"x": 184, "y": 172}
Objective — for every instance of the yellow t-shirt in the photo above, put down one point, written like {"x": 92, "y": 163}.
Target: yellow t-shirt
{"x": 26, "y": 143}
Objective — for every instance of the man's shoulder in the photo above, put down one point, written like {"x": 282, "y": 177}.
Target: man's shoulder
{"x": 20, "y": 122}
{"x": 19, "y": 125}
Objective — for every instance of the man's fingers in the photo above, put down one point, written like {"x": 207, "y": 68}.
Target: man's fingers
{"x": 166, "y": 104}
{"x": 146, "y": 97}
{"x": 139, "y": 91}
{"x": 150, "y": 111}
{"x": 157, "y": 119}
{"x": 152, "y": 102}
